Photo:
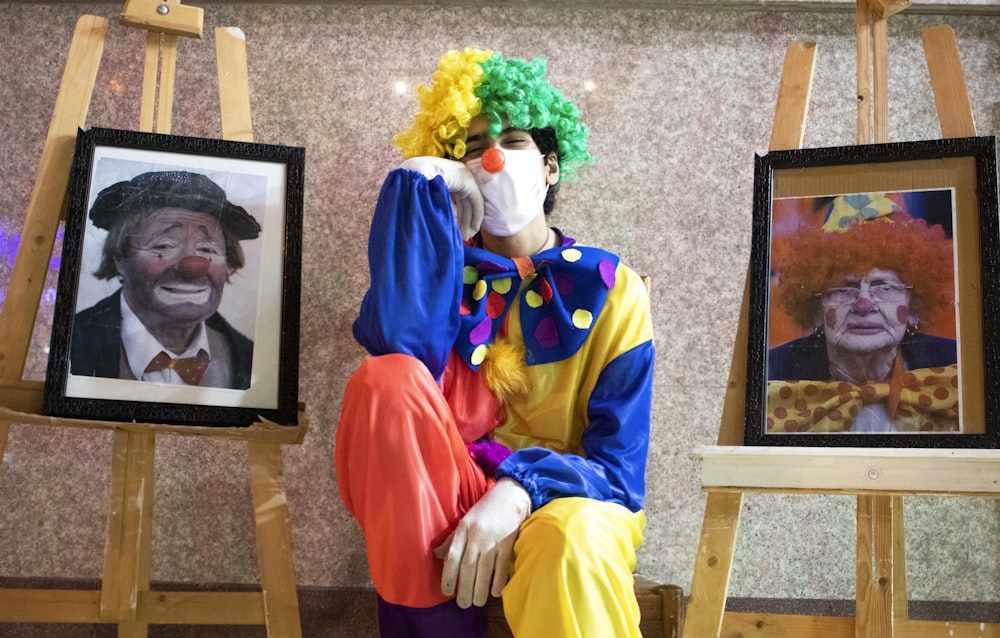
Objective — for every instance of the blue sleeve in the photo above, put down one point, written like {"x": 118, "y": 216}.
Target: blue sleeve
{"x": 615, "y": 443}
{"x": 415, "y": 257}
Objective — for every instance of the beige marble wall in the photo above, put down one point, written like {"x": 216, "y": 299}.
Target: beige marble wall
{"x": 680, "y": 102}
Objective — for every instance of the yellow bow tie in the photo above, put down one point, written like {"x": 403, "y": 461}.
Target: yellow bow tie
{"x": 928, "y": 402}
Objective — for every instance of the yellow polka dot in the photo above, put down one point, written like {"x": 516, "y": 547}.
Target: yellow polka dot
{"x": 571, "y": 255}
{"x": 479, "y": 291}
{"x": 582, "y": 318}
{"x": 478, "y": 355}
{"x": 533, "y": 299}
{"x": 470, "y": 275}
{"x": 502, "y": 286}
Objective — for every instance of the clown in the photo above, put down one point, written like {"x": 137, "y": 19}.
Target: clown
{"x": 495, "y": 442}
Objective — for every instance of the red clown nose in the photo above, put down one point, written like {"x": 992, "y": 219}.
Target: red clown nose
{"x": 493, "y": 160}
{"x": 193, "y": 266}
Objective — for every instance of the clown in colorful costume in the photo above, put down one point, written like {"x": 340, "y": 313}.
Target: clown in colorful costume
{"x": 504, "y": 414}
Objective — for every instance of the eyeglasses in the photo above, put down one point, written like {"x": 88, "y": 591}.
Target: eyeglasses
{"x": 876, "y": 292}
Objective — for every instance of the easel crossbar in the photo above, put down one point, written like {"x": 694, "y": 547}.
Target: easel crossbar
{"x": 851, "y": 470}
{"x": 154, "y": 607}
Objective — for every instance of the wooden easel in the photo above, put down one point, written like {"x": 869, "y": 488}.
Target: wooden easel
{"x": 125, "y": 597}
{"x": 878, "y": 477}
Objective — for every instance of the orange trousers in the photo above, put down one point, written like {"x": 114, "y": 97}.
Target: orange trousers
{"x": 404, "y": 473}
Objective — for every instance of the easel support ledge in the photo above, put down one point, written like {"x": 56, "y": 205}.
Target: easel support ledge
{"x": 891, "y": 471}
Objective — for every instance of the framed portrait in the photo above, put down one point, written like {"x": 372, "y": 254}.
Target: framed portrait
{"x": 874, "y": 284}
{"x": 179, "y": 283}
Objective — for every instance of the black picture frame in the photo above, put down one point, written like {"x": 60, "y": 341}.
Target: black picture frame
{"x": 946, "y": 182}
{"x": 260, "y": 300}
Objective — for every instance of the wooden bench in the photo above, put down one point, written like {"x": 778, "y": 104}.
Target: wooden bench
{"x": 661, "y": 609}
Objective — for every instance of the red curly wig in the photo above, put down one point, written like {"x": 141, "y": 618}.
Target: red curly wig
{"x": 811, "y": 260}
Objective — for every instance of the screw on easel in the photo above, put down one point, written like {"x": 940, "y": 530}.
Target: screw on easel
{"x": 163, "y": 16}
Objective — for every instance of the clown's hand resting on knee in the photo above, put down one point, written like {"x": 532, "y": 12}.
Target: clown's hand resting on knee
{"x": 478, "y": 555}
{"x": 465, "y": 195}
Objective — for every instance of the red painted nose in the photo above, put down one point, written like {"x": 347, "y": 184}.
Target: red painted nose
{"x": 864, "y": 305}
{"x": 493, "y": 160}
{"x": 193, "y": 266}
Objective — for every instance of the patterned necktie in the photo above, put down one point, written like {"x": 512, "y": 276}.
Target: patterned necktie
{"x": 190, "y": 369}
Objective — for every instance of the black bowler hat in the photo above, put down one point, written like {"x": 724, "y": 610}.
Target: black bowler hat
{"x": 172, "y": 189}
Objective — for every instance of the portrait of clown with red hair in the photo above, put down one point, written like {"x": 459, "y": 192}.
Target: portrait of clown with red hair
{"x": 862, "y": 318}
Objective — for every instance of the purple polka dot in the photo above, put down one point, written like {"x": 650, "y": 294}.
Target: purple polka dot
{"x": 481, "y": 333}
{"x": 564, "y": 284}
{"x": 487, "y": 266}
{"x": 607, "y": 270}
{"x": 546, "y": 334}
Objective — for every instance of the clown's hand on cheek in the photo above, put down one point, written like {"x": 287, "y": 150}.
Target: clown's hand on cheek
{"x": 478, "y": 555}
{"x": 465, "y": 195}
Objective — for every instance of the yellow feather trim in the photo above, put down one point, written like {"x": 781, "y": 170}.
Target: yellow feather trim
{"x": 505, "y": 371}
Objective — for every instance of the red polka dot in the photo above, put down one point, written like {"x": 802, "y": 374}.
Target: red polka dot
{"x": 495, "y": 304}
{"x": 801, "y": 404}
{"x": 811, "y": 390}
{"x": 835, "y": 415}
{"x": 941, "y": 393}
{"x": 780, "y": 412}
{"x": 785, "y": 392}
{"x": 925, "y": 401}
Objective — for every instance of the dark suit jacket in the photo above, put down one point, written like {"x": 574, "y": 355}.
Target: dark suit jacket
{"x": 806, "y": 359}
{"x": 96, "y": 343}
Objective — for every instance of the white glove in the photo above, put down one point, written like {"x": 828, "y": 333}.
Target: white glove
{"x": 465, "y": 196}
{"x": 478, "y": 554}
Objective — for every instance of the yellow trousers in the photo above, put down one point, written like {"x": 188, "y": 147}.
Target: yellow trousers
{"x": 572, "y": 577}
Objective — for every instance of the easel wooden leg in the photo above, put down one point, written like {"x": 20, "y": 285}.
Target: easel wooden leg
{"x": 874, "y": 617}
{"x": 129, "y": 540}
{"x": 41, "y": 221}
{"x": 900, "y": 597}
{"x": 713, "y": 565}
{"x": 274, "y": 541}
{"x": 4, "y": 435}
{"x": 948, "y": 82}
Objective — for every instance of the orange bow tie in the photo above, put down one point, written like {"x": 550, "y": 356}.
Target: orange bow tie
{"x": 190, "y": 369}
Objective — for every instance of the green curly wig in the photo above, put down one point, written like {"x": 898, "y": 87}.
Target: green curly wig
{"x": 473, "y": 82}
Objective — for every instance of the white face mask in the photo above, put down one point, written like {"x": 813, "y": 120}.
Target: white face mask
{"x": 515, "y": 195}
